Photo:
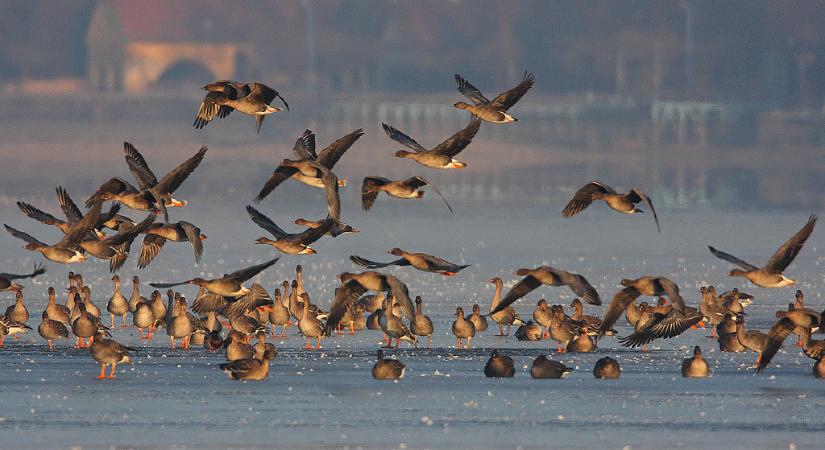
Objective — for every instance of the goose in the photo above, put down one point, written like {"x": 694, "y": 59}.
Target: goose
{"x": 110, "y": 219}
{"x": 279, "y": 315}
{"x": 309, "y": 324}
{"x": 479, "y": 321}
{"x": 582, "y": 344}
{"x": 393, "y": 327}
{"x": 356, "y": 284}
{"x": 107, "y": 351}
{"x": 734, "y": 301}
{"x": 499, "y": 366}
{"x": 663, "y": 325}
{"x": 117, "y": 305}
{"x": 819, "y": 367}
{"x": 387, "y": 368}
{"x": 530, "y": 331}
{"x": 144, "y": 318}
{"x": 541, "y": 315}
{"x": 115, "y": 248}
{"x": 623, "y": 203}
{"x": 337, "y": 229}
{"x": 178, "y": 325}
{"x": 502, "y": 316}
{"x": 789, "y": 322}
{"x": 157, "y": 234}
{"x": 421, "y": 261}
{"x": 55, "y": 310}
{"x": 213, "y": 341}
{"x": 409, "y": 188}
{"x": 225, "y": 96}
{"x": 633, "y": 289}
{"x": 770, "y": 275}
{"x": 562, "y": 330}
{"x": 711, "y": 309}
{"x": 84, "y": 327}
{"x": 291, "y": 244}
{"x": 591, "y": 324}
{"x": 547, "y": 368}
{"x": 494, "y": 111}
{"x": 18, "y": 311}
{"x": 237, "y": 347}
{"x": 66, "y": 250}
{"x": 695, "y": 367}
{"x": 309, "y": 169}
{"x": 7, "y": 279}
{"x": 51, "y": 330}
{"x": 255, "y": 368}
{"x": 753, "y": 340}
{"x": 607, "y": 368}
{"x": 463, "y": 329}
{"x": 549, "y": 276}
{"x": 440, "y": 157}
{"x": 421, "y": 325}
{"x": 728, "y": 339}
{"x": 11, "y": 327}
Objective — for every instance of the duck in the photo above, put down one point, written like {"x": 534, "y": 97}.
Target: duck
{"x": 156, "y": 235}
{"x": 623, "y": 203}
{"x": 753, "y": 340}
{"x": 288, "y": 243}
{"x": 308, "y": 169}
{"x": 237, "y": 347}
{"x": 18, "y": 311}
{"x": 387, "y": 368}
{"x": 117, "y": 305}
{"x": 11, "y": 328}
{"x": 6, "y": 279}
{"x": 479, "y": 321}
{"x": 224, "y": 96}
{"x": 309, "y": 324}
{"x": 547, "y": 368}
{"x": 109, "y": 352}
{"x": 549, "y": 276}
{"x": 356, "y": 284}
{"x": 51, "y": 330}
{"x": 607, "y": 368}
{"x": 65, "y": 251}
{"x": 421, "y": 325}
{"x": 771, "y": 274}
{"x": 499, "y": 366}
{"x": 441, "y": 156}
{"x": 151, "y": 194}
{"x": 796, "y": 321}
{"x": 55, "y": 310}
{"x": 407, "y": 189}
{"x": 493, "y": 111}
{"x": 421, "y": 261}
{"x": 504, "y": 316}
{"x": 255, "y": 368}
{"x": 695, "y": 367}
{"x": 463, "y": 329}
{"x": 115, "y": 248}
{"x": 530, "y": 331}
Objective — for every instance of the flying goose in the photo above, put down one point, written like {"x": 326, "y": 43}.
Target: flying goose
{"x": 770, "y": 276}
{"x": 494, "y": 111}
{"x": 289, "y": 243}
{"x": 406, "y": 189}
{"x": 806, "y": 320}
{"x": 157, "y": 234}
{"x": 623, "y": 203}
{"x": 115, "y": 248}
{"x": 439, "y": 157}
{"x": 309, "y": 169}
{"x": 66, "y": 250}
{"x": 420, "y": 261}
{"x": 253, "y": 99}
{"x": 7, "y": 279}
{"x": 338, "y": 228}
{"x": 549, "y": 276}
{"x": 110, "y": 219}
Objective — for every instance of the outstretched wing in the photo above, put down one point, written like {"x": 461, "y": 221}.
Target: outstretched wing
{"x": 24, "y": 236}
{"x": 401, "y": 295}
{"x": 70, "y": 209}
{"x": 265, "y": 222}
{"x": 79, "y": 229}
{"x": 620, "y": 302}
{"x": 172, "y": 181}
{"x": 249, "y": 272}
{"x": 584, "y": 197}
{"x": 662, "y": 327}
{"x": 331, "y": 188}
{"x": 37, "y": 214}
{"x": 522, "y": 288}
{"x": 580, "y": 286}
{"x": 113, "y": 186}
{"x": 368, "y": 192}
{"x": 206, "y": 302}
{"x": 139, "y": 167}
{"x": 732, "y": 259}
{"x": 304, "y": 147}
{"x": 131, "y": 231}
{"x": 256, "y": 297}
{"x": 209, "y": 109}
{"x": 363, "y": 262}
{"x": 507, "y": 99}
{"x": 312, "y": 234}
{"x": 38, "y": 270}
{"x": 470, "y": 91}
{"x": 333, "y": 152}
{"x": 193, "y": 235}
{"x": 345, "y": 297}
{"x": 788, "y": 251}
{"x": 776, "y": 336}
{"x": 149, "y": 250}
{"x": 459, "y": 141}
{"x": 435, "y": 189}
{"x": 281, "y": 174}
{"x": 672, "y": 291}
{"x": 403, "y": 139}
{"x": 635, "y": 196}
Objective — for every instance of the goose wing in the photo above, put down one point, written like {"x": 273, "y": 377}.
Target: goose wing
{"x": 368, "y": 192}
{"x": 266, "y": 223}
{"x": 304, "y": 147}
{"x": 788, "y": 251}
{"x": 519, "y": 290}
{"x": 403, "y": 139}
{"x": 333, "y": 152}
{"x": 507, "y": 99}
{"x": 172, "y": 181}
{"x": 732, "y": 259}
{"x": 468, "y": 90}
{"x": 617, "y": 306}
{"x": 245, "y": 274}
{"x": 363, "y": 262}
{"x": 345, "y": 297}
{"x": 193, "y": 235}
{"x": 776, "y": 336}
{"x": 459, "y": 141}
{"x": 281, "y": 174}
{"x": 584, "y": 197}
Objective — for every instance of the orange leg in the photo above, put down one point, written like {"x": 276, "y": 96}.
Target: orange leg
{"x": 173, "y": 342}
{"x": 319, "y": 343}
{"x": 352, "y": 328}
{"x": 123, "y": 321}
{"x": 459, "y": 343}
{"x": 50, "y": 345}
{"x": 113, "y": 320}
{"x": 467, "y": 343}
{"x": 186, "y": 342}
{"x": 112, "y": 372}
{"x": 546, "y": 333}
{"x": 428, "y": 341}
{"x": 500, "y": 330}
{"x": 78, "y": 343}
{"x": 759, "y": 359}
{"x": 309, "y": 346}
{"x": 102, "y": 372}
{"x": 1, "y": 341}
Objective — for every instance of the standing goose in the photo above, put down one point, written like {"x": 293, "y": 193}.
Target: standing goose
{"x": 463, "y": 329}
{"x": 502, "y": 316}
{"x": 135, "y": 297}
{"x": 11, "y": 327}
{"x": 542, "y": 315}
{"x": 547, "y": 368}
{"x": 789, "y": 321}
{"x": 591, "y": 323}
{"x": 279, "y": 315}
{"x": 479, "y": 321}
{"x": 157, "y": 234}
{"x": 711, "y": 309}
{"x": 51, "y": 330}
{"x": 404, "y": 189}
{"x": 393, "y": 327}
{"x": 309, "y": 324}
{"x": 18, "y": 311}
{"x": 499, "y": 366}
{"x": 387, "y": 368}
{"x": 7, "y": 279}
{"x": 66, "y": 250}
{"x": 562, "y": 330}
{"x": 753, "y": 340}
{"x": 224, "y": 96}
{"x": 623, "y": 203}
{"x": 633, "y": 289}
{"x": 420, "y": 261}
{"x": 107, "y": 351}
{"x": 728, "y": 339}
{"x": 421, "y": 325}
{"x": 118, "y": 305}
{"x": 356, "y": 284}
{"x": 770, "y": 276}
{"x": 289, "y": 243}
{"x": 55, "y": 310}
{"x": 494, "y": 111}
{"x": 440, "y": 157}
{"x": 84, "y": 327}
{"x": 549, "y": 276}
{"x": 143, "y": 317}
{"x": 695, "y": 367}
{"x": 179, "y": 326}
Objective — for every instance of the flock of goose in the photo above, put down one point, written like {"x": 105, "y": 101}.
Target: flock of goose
{"x": 369, "y": 299}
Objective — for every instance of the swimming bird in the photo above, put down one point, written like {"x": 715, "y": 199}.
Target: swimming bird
{"x": 463, "y": 329}
{"x": 502, "y": 316}
{"x": 788, "y": 323}
{"x": 108, "y": 351}
{"x": 623, "y": 203}
{"x": 494, "y": 111}
{"x": 224, "y": 96}
{"x": 441, "y": 156}
{"x": 356, "y": 284}
{"x": 607, "y": 368}
{"x": 499, "y": 366}
{"x": 695, "y": 367}
{"x": 770, "y": 275}
{"x": 151, "y": 194}
{"x": 51, "y": 330}
{"x": 65, "y": 251}
{"x": 421, "y": 261}
{"x": 404, "y": 189}
{"x": 157, "y": 234}
{"x": 546, "y": 275}
{"x": 7, "y": 279}
{"x": 387, "y": 368}
{"x": 421, "y": 325}
{"x": 547, "y": 368}
{"x": 289, "y": 243}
